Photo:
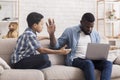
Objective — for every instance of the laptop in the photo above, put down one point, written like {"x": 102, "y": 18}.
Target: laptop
{"x": 97, "y": 51}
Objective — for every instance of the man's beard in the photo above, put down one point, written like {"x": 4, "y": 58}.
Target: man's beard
{"x": 85, "y": 32}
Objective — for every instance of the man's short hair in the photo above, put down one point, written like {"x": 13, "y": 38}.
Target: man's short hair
{"x": 33, "y": 18}
{"x": 88, "y": 17}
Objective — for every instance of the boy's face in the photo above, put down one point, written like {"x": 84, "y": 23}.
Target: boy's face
{"x": 39, "y": 26}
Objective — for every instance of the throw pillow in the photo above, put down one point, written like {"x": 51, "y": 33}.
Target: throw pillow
{"x": 117, "y": 60}
{"x": 4, "y": 64}
{"x": 1, "y": 69}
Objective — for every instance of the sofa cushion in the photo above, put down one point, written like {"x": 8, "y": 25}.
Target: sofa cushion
{"x": 57, "y": 59}
{"x": 54, "y": 58}
{"x": 6, "y": 48}
{"x": 61, "y": 72}
{"x": 45, "y": 43}
{"x": 8, "y": 45}
{"x": 23, "y": 74}
{"x": 115, "y": 71}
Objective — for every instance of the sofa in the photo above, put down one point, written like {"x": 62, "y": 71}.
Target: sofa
{"x": 58, "y": 71}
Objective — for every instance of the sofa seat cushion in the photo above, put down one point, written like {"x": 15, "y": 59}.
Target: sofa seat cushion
{"x": 116, "y": 71}
{"x": 57, "y": 59}
{"x": 18, "y": 74}
{"x": 60, "y": 72}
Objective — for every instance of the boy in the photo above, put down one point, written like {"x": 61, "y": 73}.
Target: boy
{"x": 25, "y": 55}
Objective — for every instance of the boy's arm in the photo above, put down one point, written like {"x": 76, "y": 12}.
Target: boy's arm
{"x": 42, "y": 37}
{"x": 50, "y": 51}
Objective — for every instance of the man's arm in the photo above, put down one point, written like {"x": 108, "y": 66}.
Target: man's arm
{"x": 51, "y": 30}
{"x": 52, "y": 40}
{"x": 42, "y": 37}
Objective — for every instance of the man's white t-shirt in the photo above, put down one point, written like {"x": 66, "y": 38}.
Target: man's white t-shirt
{"x": 82, "y": 45}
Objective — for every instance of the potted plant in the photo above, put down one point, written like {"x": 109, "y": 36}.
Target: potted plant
{"x": 112, "y": 14}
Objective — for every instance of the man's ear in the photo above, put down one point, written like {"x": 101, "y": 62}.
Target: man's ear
{"x": 81, "y": 22}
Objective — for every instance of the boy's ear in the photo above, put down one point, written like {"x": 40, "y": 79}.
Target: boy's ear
{"x": 35, "y": 25}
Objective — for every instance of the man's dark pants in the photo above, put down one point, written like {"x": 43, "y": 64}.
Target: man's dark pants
{"x": 88, "y": 67}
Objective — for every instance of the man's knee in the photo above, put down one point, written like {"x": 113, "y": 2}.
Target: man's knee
{"x": 108, "y": 63}
{"x": 88, "y": 62}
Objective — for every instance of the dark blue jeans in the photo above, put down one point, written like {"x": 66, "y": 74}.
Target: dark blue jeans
{"x": 88, "y": 67}
{"x": 39, "y": 61}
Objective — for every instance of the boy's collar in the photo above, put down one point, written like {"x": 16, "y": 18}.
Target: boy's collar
{"x": 29, "y": 29}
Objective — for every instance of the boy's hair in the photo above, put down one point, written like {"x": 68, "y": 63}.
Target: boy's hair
{"x": 88, "y": 17}
{"x": 33, "y": 18}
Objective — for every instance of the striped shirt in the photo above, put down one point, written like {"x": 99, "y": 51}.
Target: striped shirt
{"x": 26, "y": 46}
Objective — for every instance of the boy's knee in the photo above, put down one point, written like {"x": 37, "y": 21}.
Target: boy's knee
{"x": 49, "y": 63}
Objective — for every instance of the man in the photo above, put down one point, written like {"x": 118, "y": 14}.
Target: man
{"x": 77, "y": 38}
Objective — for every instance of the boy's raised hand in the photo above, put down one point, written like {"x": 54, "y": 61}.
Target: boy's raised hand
{"x": 50, "y": 26}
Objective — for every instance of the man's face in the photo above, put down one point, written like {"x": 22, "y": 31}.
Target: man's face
{"x": 87, "y": 27}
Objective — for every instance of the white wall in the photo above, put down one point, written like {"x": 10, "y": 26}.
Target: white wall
{"x": 66, "y": 13}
